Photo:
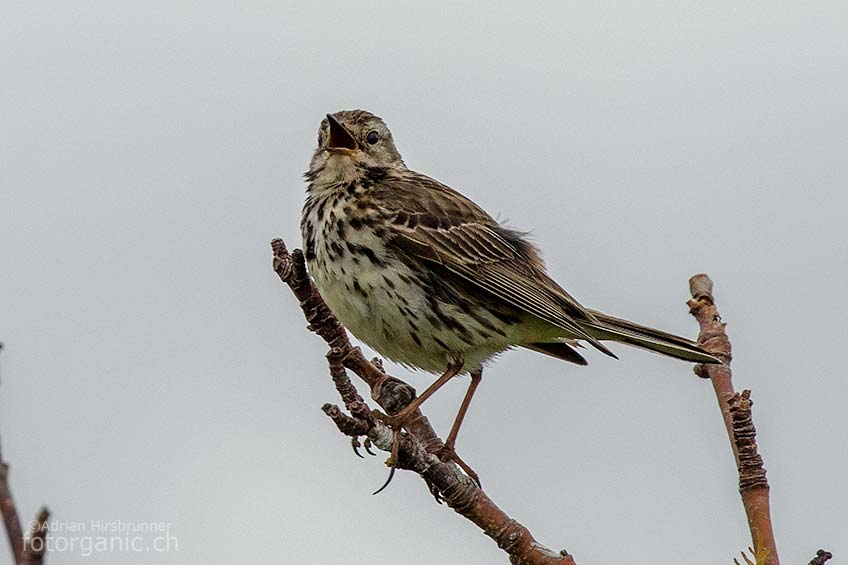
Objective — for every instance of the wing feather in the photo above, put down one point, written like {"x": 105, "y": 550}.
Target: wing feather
{"x": 432, "y": 222}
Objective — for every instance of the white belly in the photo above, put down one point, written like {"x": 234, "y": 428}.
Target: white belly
{"x": 381, "y": 302}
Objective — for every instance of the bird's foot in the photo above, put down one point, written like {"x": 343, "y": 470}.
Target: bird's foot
{"x": 447, "y": 454}
{"x": 355, "y": 443}
{"x": 395, "y": 422}
{"x": 444, "y": 452}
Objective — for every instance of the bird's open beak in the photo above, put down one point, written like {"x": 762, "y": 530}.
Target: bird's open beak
{"x": 340, "y": 138}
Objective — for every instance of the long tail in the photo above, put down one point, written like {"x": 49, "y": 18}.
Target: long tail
{"x": 623, "y": 331}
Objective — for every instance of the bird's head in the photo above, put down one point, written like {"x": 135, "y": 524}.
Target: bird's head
{"x": 353, "y": 139}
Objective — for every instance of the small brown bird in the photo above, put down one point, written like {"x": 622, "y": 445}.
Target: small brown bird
{"x": 430, "y": 280}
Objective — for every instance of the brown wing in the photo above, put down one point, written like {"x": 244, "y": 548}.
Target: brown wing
{"x": 432, "y": 222}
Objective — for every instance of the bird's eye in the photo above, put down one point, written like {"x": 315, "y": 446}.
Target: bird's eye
{"x": 372, "y": 137}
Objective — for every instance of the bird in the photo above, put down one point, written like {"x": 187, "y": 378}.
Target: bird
{"x": 430, "y": 280}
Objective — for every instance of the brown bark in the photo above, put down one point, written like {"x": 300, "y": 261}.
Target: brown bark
{"x": 28, "y": 551}
{"x": 10, "y": 514}
{"x": 736, "y": 413}
{"x": 445, "y": 480}
{"x": 821, "y": 557}
{"x": 35, "y": 547}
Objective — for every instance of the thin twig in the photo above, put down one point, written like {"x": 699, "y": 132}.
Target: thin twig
{"x": 10, "y": 514}
{"x": 821, "y": 557}
{"x": 35, "y": 547}
{"x": 736, "y": 412}
{"x": 444, "y": 480}
{"x": 25, "y": 551}
{"x": 29, "y": 551}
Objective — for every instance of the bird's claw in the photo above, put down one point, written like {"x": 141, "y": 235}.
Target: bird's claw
{"x": 354, "y": 443}
{"x": 392, "y": 461}
{"x": 395, "y": 422}
{"x": 367, "y": 445}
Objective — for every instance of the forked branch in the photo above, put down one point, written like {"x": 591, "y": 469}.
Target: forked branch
{"x": 445, "y": 480}
{"x": 29, "y": 550}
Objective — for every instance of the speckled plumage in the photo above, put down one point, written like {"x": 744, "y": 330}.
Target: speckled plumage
{"x": 425, "y": 276}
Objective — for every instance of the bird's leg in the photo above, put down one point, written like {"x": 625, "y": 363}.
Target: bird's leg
{"x": 397, "y": 421}
{"x": 476, "y": 377}
{"x": 448, "y": 452}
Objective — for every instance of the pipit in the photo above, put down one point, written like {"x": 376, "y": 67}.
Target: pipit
{"x": 428, "y": 279}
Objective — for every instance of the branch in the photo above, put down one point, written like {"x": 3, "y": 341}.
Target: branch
{"x": 36, "y": 546}
{"x": 736, "y": 412}
{"x": 24, "y": 552}
{"x": 821, "y": 557}
{"x": 10, "y": 514}
{"x": 445, "y": 480}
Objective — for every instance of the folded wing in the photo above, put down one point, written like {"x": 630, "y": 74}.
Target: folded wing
{"x": 436, "y": 224}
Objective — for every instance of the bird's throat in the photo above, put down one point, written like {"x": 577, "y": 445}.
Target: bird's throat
{"x": 340, "y": 167}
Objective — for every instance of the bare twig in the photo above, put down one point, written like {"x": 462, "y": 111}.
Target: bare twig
{"x": 745, "y": 557}
{"x": 35, "y": 547}
{"x": 24, "y": 551}
{"x": 821, "y": 557}
{"x": 10, "y": 514}
{"x": 448, "y": 483}
{"x": 736, "y": 412}
{"x": 444, "y": 480}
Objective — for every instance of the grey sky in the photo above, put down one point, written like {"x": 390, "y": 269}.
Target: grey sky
{"x": 156, "y": 370}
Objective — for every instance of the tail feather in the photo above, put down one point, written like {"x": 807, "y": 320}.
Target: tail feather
{"x": 611, "y": 328}
{"x": 559, "y": 350}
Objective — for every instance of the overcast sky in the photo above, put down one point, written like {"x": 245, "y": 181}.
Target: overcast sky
{"x": 156, "y": 370}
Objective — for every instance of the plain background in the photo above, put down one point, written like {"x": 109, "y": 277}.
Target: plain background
{"x": 155, "y": 368}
